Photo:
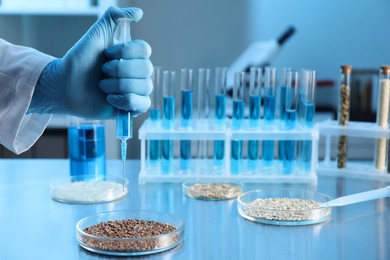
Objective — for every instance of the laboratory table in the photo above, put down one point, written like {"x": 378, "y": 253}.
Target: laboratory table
{"x": 33, "y": 226}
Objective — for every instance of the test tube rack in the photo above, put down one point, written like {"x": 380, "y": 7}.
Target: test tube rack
{"x": 353, "y": 169}
{"x": 203, "y": 170}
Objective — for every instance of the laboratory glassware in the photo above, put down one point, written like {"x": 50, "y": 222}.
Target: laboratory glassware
{"x": 154, "y": 149}
{"x": 203, "y": 110}
{"x": 187, "y": 92}
{"x": 282, "y": 109}
{"x": 343, "y": 113}
{"x": 255, "y": 84}
{"x": 220, "y": 113}
{"x": 382, "y": 116}
{"x": 87, "y": 154}
{"x": 290, "y": 120}
{"x": 306, "y": 112}
{"x": 169, "y": 85}
{"x": 237, "y": 122}
{"x": 269, "y": 112}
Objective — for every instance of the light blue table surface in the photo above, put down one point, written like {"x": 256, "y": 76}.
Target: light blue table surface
{"x": 33, "y": 226}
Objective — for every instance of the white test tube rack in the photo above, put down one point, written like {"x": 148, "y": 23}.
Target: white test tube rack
{"x": 264, "y": 174}
{"x": 353, "y": 169}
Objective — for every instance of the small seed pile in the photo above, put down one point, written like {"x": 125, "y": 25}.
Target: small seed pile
{"x": 285, "y": 209}
{"x": 125, "y": 235}
{"x": 88, "y": 191}
{"x": 213, "y": 191}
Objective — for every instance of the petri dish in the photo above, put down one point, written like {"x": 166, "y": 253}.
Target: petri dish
{"x": 131, "y": 246}
{"x": 88, "y": 191}
{"x": 211, "y": 190}
{"x": 283, "y": 207}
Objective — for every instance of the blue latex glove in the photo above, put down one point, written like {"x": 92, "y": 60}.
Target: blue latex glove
{"x": 94, "y": 77}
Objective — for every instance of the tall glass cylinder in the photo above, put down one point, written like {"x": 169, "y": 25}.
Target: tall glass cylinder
{"x": 290, "y": 120}
{"x": 237, "y": 122}
{"x": 187, "y": 91}
{"x": 203, "y": 109}
{"x": 382, "y": 118}
{"x": 306, "y": 112}
{"x": 220, "y": 114}
{"x": 282, "y": 108}
{"x": 343, "y": 113}
{"x": 169, "y": 86}
{"x": 154, "y": 149}
{"x": 269, "y": 112}
{"x": 255, "y": 85}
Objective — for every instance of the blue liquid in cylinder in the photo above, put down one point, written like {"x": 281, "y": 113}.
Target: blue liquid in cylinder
{"x": 87, "y": 152}
{"x": 220, "y": 114}
{"x": 254, "y": 116}
{"x": 269, "y": 108}
{"x": 238, "y": 114}
{"x": 220, "y": 107}
{"x": 237, "y": 145}
{"x": 269, "y": 117}
{"x": 167, "y": 145}
{"x": 154, "y": 145}
{"x": 186, "y": 114}
{"x": 289, "y": 156}
{"x": 308, "y": 113}
{"x": 282, "y": 110}
{"x": 168, "y": 112}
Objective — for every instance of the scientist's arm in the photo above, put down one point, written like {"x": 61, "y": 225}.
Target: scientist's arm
{"x": 91, "y": 80}
{"x": 20, "y": 68}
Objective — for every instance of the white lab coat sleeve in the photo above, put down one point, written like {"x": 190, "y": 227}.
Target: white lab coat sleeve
{"x": 20, "y": 68}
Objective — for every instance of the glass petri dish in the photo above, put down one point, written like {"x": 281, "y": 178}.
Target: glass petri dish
{"x": 130, "y": 246}
{"x": 88, "y": 191}
{"x": 283, "y": 207}
{"x": 211, "y": 190}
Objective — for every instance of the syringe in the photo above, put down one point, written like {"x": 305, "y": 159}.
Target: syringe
{"x": 124, "y": 120}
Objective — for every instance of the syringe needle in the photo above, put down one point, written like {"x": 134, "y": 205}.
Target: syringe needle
{"x": 123, "y": 178}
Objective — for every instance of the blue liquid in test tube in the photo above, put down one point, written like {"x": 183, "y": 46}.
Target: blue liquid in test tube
{"x": 254, "y": 115}
{"x": 306, "y": 117}
{"x": 290, "y": 120}
{"x": 237, "y": 122}
{"x": 154, "y": 145}
{"x": 282, "y": 111}
{"x": 186, "y": 117}
{"x": 154, "y": 115}
{"x": 220, "y": 114}
{"x": 169, "y": 81}
{"x": 87, "y": 152}
{"x": 269, "y": 113}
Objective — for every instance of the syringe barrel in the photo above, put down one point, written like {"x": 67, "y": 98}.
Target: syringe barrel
{"x": 124, "y": 125}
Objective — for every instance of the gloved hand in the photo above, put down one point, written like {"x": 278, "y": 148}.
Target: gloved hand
{"x": 94, "y": 77}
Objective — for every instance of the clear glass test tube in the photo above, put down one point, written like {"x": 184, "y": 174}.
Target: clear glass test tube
{"x": 306, "y": 116}
{"x": 282, "y": 109}
{"x": 154, "y": 149}
{"x": 237, "y": 121}
{"x": 169, "y": 85}
{"x": 343, "y": 113}
{"x": 255, "y": 84}
{"x": 203, "y": 110}
{"x": 187, "y": 93}
{"x": 382, "y": 117}
{"x": 269, "y": 112}
{"x": 220, "y": 114}
{"x": 290, "y": 120}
